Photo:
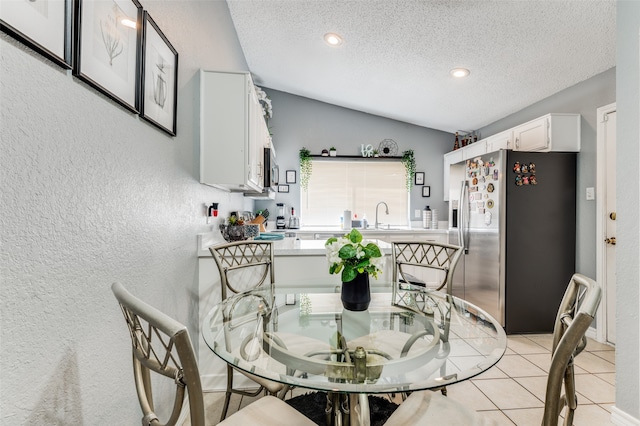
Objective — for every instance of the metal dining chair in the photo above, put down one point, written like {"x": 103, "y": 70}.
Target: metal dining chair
{"x": 575, "y": 314}
{"x": 411, "y": 258}
{"x": 243, "y": 266}
{"x": 162, "y": 345}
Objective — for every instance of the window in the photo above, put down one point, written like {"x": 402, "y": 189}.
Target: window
{"x": 336, "y": 186}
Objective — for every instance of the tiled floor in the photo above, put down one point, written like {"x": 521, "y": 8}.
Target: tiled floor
{"x": 512, "y": 392}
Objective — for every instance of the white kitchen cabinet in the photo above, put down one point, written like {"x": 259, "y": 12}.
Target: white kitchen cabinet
{"x": 552, "y": 132}
{"x": 450, "y": 158}
{"x": 233, "y": 132}
{"x": 474, "y": 150}
{"x": 503, "y": 140}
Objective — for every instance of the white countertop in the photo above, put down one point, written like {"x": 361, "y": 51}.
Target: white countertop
{"x": 285, "y": 247}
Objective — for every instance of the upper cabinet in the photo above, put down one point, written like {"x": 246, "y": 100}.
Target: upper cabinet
{"x": 233, "y": 132}
{"x": 503, "y": 140}
{"x": 552, "y": 132}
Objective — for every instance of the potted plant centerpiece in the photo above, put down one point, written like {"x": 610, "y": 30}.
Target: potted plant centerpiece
{"x": 355, "y": 259}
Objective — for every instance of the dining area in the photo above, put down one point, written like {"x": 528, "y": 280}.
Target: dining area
{"x": 311, "y": 354}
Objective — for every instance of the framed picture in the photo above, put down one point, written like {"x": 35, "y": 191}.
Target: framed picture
{"x": 419, "y": 178}
{"x": 42, "y": 25}
{"x": 426, "y": 191}
{"x": 291, "y": 176}
{"x": 283, "y": 188}
{"x": 159, "y": 90}
{"x": 106, "y": 41}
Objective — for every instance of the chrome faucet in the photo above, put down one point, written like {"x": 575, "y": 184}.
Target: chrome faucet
{"x": 387, "y": 211}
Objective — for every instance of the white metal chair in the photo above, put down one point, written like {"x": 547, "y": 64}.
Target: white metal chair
{"x": 243, "y": 266}
{"x": 577, "y": 310}
{"x": 162, "y": 345}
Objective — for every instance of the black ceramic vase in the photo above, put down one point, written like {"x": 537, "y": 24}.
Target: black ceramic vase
{"x": 355, "y": 294}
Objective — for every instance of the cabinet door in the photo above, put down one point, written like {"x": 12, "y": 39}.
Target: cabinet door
{"x": 449, "y": 159}
{"x": 475, "y": 150}
{"x": 500, "y": 141}
{"x": 532, "y": 136}
{"x": 257, "y": 127}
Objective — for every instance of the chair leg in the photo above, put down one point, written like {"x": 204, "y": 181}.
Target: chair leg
{"x": 227, "y": 396}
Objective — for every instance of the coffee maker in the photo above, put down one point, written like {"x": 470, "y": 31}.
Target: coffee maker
{"x": 280, "y": 220}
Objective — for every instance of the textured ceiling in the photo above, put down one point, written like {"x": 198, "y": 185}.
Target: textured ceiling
{"x": 396, "y": 57}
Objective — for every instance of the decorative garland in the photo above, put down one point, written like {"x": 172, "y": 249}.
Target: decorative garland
{"x": 305, "y": 167}
{"x": 410, "y": 167}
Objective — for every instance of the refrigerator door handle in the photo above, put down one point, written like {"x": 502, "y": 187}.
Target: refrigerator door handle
{"x": 463, "y": 227}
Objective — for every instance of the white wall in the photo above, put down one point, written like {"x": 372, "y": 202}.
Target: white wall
{"x": 627, "y": 178}
{"x": 90, "y": 195}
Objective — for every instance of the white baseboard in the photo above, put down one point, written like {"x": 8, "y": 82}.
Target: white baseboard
{"x": 620, "y": 418}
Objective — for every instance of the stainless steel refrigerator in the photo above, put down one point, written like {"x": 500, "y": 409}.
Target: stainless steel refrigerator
{"x": 515, "y": 214}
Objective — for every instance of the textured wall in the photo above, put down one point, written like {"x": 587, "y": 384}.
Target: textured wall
{"x": 627, "y": 203}
{"x": 90, "y": 195}
{"x": 583, "y": 98}
{"x": 299, "y": 121}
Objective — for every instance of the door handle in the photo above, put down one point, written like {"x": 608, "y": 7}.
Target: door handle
{"x": 612, "y": 215}
{"x": 611, "y": 241}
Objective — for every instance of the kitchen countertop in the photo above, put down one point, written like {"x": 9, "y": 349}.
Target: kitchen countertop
{"x": 285, "y": 247}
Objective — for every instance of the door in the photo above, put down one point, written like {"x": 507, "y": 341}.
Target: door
{"x": 610, "y": 227}
{"x": 606, "y": 223}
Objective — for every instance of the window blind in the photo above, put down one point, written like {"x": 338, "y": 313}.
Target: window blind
{"x": 336, "y": 186}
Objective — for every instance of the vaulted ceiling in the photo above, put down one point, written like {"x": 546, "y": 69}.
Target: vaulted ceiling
{"x": 396, "y": 57}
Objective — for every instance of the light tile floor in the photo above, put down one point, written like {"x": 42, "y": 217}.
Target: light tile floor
{"x": 512, "y": 392}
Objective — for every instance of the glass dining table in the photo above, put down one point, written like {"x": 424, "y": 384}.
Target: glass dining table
{"x": 306, "y": 339}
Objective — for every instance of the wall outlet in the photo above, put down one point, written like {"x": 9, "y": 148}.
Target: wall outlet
{"x": 591, "y": 193}
{"x": 417, "y": 214}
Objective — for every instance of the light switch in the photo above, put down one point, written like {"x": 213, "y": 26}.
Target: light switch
{"x": 417, "y": 214}
{"x": 591, "y": 194}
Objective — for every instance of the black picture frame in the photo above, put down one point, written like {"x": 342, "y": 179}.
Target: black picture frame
{"x": 283, "y": 188}
{"x": 419, "y": 178}
{"x": 426, "y": 191}
{"x": 159, "y": 78}
{"x": 46, "y": 31}
{"x": 107, "y": 48}
{"x": 291, "y": 176}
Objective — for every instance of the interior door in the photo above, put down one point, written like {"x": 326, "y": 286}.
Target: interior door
{"x": 610, "y": 226}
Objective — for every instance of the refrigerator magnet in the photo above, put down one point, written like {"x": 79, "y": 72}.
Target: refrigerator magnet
{"x": 533, "y": 180}
{"x": 525, "y": 180}
{"x": 525, "y": 168}
{"x": 489, "y": 204}
{"x": 532, "y": 168}
{"x": 474, "y": 181}
{"x": 490, "y": 187}
{"x": 519, "y": 180}
{"x": 481, "y": 210}
{"x": 516, "y": 167}
{"x": 495, "y": 174}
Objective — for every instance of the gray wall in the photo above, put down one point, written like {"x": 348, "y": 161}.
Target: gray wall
{"x": 301, "y": 122}
{"x": 91, "y": 195}
{"x": 583, "y": 98}
{"x": 627, "y": 178}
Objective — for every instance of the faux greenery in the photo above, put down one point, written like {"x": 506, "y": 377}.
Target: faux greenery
{"x": 305, "y": 167}
{"x": 410, "y": 167}
{"x": 352, "y": 255}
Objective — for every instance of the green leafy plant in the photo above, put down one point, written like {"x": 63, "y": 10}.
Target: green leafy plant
{"x": 410, "y": 167}
{"x": 305, "y": 167}
{"x": 352, "y": 255}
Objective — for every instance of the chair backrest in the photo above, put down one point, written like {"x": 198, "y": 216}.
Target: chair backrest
{"x": 244, "y": 265}
{"x": 161, "y": 345}
{"x": 577, "y": 310}
{"x": 415, "y": 255}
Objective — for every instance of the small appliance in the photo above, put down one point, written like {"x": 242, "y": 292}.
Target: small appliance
{"x": 294, "y": 221}
{"x": 280, "y": 222}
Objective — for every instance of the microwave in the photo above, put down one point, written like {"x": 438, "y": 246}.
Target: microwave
{"x": 271, "y": 170}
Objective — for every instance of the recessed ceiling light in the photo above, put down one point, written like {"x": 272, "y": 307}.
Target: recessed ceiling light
{"x": 460, "y": 72}
{"x": 333, "y": 39}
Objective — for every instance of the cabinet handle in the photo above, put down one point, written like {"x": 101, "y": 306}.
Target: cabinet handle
{"x": 517, "y": 143}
